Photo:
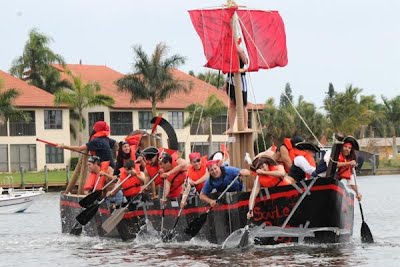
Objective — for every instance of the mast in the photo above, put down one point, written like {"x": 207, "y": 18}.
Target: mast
{"x": 241, "y": 141}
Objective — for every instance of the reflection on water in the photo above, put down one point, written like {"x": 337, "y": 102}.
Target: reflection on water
{"x": 34, "y": 239}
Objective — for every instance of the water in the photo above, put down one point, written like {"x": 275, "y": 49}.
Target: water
{"x": 33, "y": 238}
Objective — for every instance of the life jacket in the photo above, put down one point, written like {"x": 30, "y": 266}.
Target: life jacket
{"x": 91, "y": 180}
{"x": 131, "y": 187}
{"x": 345, "y": 171}
{"x": 134, "y": 139}
{"x": 176, "y": 180}
{"x": 153, "y": 170}
{"x": 195, "y": 175}
{"x": 270, "y": 180}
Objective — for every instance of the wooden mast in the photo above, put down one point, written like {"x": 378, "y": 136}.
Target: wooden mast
{"x": 240, "y": 141}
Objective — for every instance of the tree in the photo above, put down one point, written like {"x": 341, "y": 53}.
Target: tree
{"x": 204, "y": 114}
{"x": 79, "y": 97}
{"x": 392, "y": 107}
{"x": 34, "y": 66}
{"x": 7, "y": 109}
{"x": 152, "y": 78}
{"x": 212, "y": 77}
{"x": 286, "y": 97}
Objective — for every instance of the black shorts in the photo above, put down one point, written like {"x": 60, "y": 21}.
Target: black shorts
{"x": 230, "y": 90}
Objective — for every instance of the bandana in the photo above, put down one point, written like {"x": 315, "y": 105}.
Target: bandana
{"x": 194, "y": 155}
{"x": 212, "y": 162}
{"x": 348, "y": 144}
{"x": 101, "y": 126}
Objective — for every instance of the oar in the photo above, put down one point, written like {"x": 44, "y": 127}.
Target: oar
{"x": 56, "y": 145}
{"x": 244, "y": 240}
{"x": 87, "y": 214}
{"x": 366, "y": 235}
{"x": 92, "y": 197}
{"x": 118, "y": 214}
{"x": 195, "y": 226}
{"x": 164, "y": 197}
{"x": 170, "y": 234}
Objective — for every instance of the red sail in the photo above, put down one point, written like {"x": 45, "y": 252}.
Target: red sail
{"x": 214, "y": 28}
{"x": 265, "y": 38}
{"x": 263, "y": 31}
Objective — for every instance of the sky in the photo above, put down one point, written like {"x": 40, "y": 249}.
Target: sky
{"x": 344, "y": 42}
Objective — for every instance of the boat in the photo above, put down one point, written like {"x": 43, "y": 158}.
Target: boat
{"x": 317, "y": 210}
{"x": 17, "y": 200}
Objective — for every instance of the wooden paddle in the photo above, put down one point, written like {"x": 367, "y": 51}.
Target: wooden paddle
{"x": 366, "y": 235}
{"x": 118, "y": 214}
{"x": 164, "y": 205}
{"x": 56, "y": 145}
{"x": 195, "y": 226}
{"x": 86, "y": 215}
{"x": 244, "y": 240}
{"x": 167, "y": 237}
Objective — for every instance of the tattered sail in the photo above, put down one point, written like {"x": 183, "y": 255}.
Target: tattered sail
{"x": 263, "y": 31}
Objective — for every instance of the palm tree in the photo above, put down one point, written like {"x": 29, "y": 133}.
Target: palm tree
{"x": 34, "y": 66}
{"x": 7, "y": 109}
{"x": 81, "y": 96}
{"x": 152, "y": 78}
{"x": 204, "y": 114}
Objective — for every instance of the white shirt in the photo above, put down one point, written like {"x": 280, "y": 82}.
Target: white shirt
{"x": 302, "y": 163}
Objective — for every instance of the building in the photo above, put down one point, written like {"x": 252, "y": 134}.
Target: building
{"x": 125, "y": 116}
{"x": 18, "y": 145}
{"x": 382, "y": 146}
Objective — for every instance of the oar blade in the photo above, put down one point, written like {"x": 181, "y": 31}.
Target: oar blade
{"x": 113, "y": 220}
{"x": 86, "y": 215}
{"x": 88, "y": 200}
{"x": 195, "y": 226}
{"x": 76, "y": 229}
{"x": 244, "y": 241}
{"x": 366, "y": 235}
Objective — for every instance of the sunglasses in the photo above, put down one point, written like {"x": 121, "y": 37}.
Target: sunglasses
{"x": 196, "y": 160}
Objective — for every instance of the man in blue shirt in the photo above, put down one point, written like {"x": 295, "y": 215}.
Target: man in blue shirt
{"x": 220, "y": 178}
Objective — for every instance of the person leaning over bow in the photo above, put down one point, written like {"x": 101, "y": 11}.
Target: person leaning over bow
{"x": 270, "y": 174}
{"x": 347, "y": 162}
{"x": 197, "y": 171}
{"x": 95, "y": 174}
{"x": 220, "y": 178}
{"x": 304, "y": 163}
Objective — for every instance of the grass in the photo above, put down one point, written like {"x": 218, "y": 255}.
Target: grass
{"x": 59, "y": 176}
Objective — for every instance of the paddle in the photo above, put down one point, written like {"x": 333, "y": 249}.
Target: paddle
{"x": 163, "y": 206}
{"x": 366, "y": 235}
{"x": 195, "y": 226}
{"x": 170, "y": 234}
{"x": 118, "y": 214}
{"x": 92, "y": 197}
{"x": 56, "y": 145}
{"x": 86, "y": 215}
{"x": 244, "y": 241}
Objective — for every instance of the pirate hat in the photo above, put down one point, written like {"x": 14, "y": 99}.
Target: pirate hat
{"x": 307, "y": 146}
{"x": 350, "y": 139}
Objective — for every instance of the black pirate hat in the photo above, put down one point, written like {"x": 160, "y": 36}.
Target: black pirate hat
{"x": 307, "y": 146}
{"x": 350, "y": 139}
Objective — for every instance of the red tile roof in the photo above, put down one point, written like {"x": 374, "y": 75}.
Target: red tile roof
{"x": 106, "y": 77}
{"x": 30, "y": 96}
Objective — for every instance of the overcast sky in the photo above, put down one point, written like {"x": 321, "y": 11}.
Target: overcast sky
{"x": 344, "y": 42}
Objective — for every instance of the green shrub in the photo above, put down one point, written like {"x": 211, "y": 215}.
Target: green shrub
{"x": 73, "y": 163}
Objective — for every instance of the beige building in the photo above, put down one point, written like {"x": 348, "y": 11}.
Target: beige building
{"x": 18, "y": 145}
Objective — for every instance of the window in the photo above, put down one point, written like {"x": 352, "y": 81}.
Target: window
{"x": 21, "y": 128}
{"x": 219, "y": 124}
{"x": 3, "y": 158}
{"x": 195, "y": 129}
{"x": 249, "y": 123}
{"x": 93, "y": 117}
{"x": 54, "y": 155}
{"x": 181, "y": 149}
{"x": 176, "y": 119}
{"x": 121, "y": 123}
{"x": 24, "y": 156}
{"x": 144, "y": 120}
{"x": 53, "y": 119}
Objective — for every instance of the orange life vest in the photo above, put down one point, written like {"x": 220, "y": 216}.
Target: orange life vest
{"x": 91, "y": 180}
{"x": 130, "y": 187}
{"x": 176, "y": 180}
{"x": 345, "y": 171}
{"x": 270, "y": 180}
{"x": 152, "y": 170}
{"x": 195, "y": 175}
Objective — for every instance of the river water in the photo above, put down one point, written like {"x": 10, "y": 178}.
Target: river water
{"x": 34, "y": 238}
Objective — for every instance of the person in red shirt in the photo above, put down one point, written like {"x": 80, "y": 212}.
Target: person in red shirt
{"x": 197, "y": 171}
